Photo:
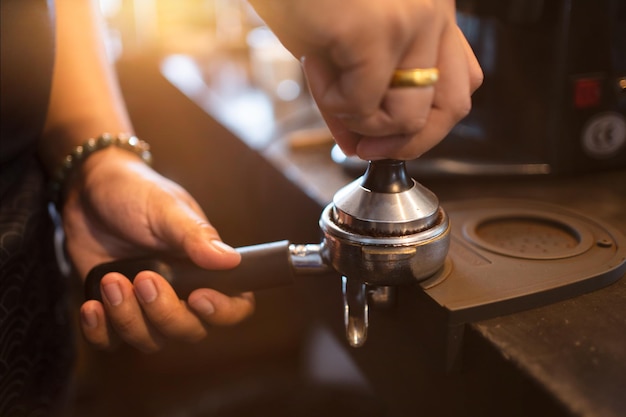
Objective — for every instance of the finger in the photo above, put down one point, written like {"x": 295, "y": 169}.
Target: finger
{"x": 475, "y": 71}
{"x": 407, "y": 147}
{"x": 95, "y": 326}
{"x": 346, "y": 84}
{"x": 399, "y": 110}
{"x": 407, "y": 108}
{"x": 165, "y": 311}
{"x": 403, "y": 110}
{"x": 125, "y": 315}
{"x": 345, "y": 138}
{"x": 451, "y": 102}
{"x": 218, "y": 309}
{"x": 453, "y": 96}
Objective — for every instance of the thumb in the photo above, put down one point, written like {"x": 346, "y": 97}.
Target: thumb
{"x": 205, "y": 248}
{"x": 187, "y": 229}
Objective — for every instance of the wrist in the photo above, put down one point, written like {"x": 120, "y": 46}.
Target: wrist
{"x": 72, "y": 164}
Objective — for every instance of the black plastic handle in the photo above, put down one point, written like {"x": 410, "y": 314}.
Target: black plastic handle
{"x": 263, "y": 266}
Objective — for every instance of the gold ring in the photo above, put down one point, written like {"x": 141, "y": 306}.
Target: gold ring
{"x": 417, "y": 77}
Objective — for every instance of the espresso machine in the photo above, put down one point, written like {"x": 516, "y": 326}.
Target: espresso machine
{"x": 385, "y": 233}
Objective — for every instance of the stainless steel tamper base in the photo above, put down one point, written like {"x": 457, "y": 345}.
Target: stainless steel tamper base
{"x": 383, "y": 229}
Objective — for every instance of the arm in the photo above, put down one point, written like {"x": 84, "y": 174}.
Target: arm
{"x": 116, "y": 206}
{"x": 349, "y": 51}
{"x": 85, "y": 99}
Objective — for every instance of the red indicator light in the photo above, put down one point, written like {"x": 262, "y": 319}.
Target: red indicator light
{"x": 587, "y": 93}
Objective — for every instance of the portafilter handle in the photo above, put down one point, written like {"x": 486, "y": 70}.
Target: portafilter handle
{"x": 263, "y": 266}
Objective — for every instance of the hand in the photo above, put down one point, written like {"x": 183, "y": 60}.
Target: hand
{"x": 349, "y": 51}
{"x": 119, "y": 207}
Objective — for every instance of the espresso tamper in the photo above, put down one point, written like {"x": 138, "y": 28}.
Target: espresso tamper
{"x": 381, "y": 231}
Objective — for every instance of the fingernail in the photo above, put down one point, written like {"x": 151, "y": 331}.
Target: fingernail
{"x": 146, "y": 290}
{"x": 113, "y": 293}
{"x": 89, "y": 318}
{"x": 204, "y": 306}
{"x": 222, "y": 247}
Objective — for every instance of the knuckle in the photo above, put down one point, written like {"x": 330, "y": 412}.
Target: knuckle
{"x": 125, "y": 325}
{"x": 233, "y": 316}
{"x": 414, "y": 124}
{"x": 353, "y": 110}
{"x": 164, "y": 319}
{"x": 225, "y": 318}
{"x": 460, "y": 108}
{"x": 477, "y": 77}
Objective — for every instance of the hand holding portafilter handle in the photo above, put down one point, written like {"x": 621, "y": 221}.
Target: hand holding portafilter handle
{"x": 274, "y": 264}
{"x": 263, "y": 266}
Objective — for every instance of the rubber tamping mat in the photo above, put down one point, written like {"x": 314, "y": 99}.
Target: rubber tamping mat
{"x": 508, "y": 255}
{"x": 530, "y": 237}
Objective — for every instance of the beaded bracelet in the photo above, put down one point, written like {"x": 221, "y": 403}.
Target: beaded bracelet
{"x": 82, "y": 152}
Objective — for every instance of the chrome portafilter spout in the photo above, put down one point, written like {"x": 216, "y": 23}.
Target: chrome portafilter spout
{"x": 381, "y": 231}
